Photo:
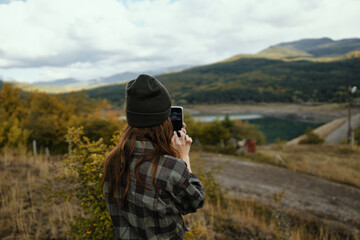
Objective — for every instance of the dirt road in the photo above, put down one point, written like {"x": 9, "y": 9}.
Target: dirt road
{"x": 340, "y": 134}
{"x": 334, "y": 132}
{"x": 304, "y": 193}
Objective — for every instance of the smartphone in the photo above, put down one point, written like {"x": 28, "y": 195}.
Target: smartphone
{"x": 177, "y": 118}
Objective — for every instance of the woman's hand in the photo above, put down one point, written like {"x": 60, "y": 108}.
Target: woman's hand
{"x": 182, "y": 144}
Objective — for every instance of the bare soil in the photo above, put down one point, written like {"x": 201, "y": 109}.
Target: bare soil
{"x": 300, "y": 192}
{"x": 312, "y": 112}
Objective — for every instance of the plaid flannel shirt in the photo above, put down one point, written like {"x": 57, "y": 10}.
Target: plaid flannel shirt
{"x": 156, "y": 213}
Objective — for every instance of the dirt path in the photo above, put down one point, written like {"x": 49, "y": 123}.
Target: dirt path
{"x": 304, "y": 193}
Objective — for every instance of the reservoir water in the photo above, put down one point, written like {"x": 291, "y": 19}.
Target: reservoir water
{"x": 210, "y": 118}
{"x": 284, "y": 129}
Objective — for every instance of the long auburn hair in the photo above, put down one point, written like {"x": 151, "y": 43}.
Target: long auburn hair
{"x": 116, "y": 167}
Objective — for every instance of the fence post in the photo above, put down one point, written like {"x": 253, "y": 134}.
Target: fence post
{"x": 34, "y": 147}
{"x": 69, "y": 147}
{"x": 47, "y": 153}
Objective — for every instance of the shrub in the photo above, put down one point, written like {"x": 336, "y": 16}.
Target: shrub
{"x": 96, "y": 128}
{"x": 311, "y": 138}
{"x": 212, "y": 188}
{"x": 86, "y": 163}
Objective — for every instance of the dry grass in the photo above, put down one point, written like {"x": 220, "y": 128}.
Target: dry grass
{"x": 247, "y": 219}
{"x": 26, "y": 211}
{"x": 336, "y": 163}
{"x": 232, "y": 217}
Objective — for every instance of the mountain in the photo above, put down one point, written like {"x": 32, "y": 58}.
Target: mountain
{"x": 254, "y": 80}
{"x": 59, "y": 82}
{"x": 307, "y": 44}
{"x": 265, "y": 80}
{"x": 324, "y": 47}
{"x": 308, "y": 70}
{"x": 287, "y": 72}
{"x": 316, "y": 50}
{"x": 126, "y": 76}
{"x": 74, "y": 84}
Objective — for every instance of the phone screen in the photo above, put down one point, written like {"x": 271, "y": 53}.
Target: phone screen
{"x": 176, "y": 117}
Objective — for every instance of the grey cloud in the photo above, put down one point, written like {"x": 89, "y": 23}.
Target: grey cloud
{"x": 63, "y": 59}
{"x": 91, "y": 56}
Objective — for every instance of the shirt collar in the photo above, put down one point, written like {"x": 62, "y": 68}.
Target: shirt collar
{"x": 140, "y": 146}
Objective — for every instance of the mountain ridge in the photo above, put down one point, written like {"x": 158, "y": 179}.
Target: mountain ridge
{"x": 279, "y": 73}
{"x": 325, "y": 49}
{"x": 254, "y": 80}
{"x": 58, "y": 82}
{"x": 69, "y": 84}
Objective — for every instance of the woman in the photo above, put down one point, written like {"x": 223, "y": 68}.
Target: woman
{"x": 147, "y": 181}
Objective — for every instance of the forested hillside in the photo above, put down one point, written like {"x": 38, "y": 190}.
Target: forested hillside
{"x": 255, "y": 80}
{"x": 114, "y": 93}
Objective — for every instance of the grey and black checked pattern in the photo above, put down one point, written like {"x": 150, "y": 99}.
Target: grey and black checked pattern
{"x": 156, "y": 213}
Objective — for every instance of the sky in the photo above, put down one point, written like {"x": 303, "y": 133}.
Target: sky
{"x": 42, "y": 40}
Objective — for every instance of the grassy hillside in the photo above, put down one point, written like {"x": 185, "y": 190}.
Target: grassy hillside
{"x": 282, "y": 53}
{"x": 255, "y": 80}
{"x": 324, "y": 47}
{"x": 316, "y": 50}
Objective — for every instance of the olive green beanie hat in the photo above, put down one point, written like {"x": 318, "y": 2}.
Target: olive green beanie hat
{"x": 148, "y": 103}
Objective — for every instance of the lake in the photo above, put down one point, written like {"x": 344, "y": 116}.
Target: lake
{"x": 285, "y": 129}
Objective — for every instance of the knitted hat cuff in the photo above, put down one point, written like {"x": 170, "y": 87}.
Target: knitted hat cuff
{"x": 152, "y": 114}
{"x": 142, "y": 120}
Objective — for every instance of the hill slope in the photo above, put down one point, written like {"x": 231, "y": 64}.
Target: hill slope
{"x": 317, "y": 50}
{"x": 324, "y": 47}
{"x": 255, "y": 80}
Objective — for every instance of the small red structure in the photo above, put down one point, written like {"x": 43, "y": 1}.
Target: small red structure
{"x": 250, "y": 145}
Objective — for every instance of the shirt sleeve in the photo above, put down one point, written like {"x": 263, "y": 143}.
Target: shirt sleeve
{"x": 188, "y": 193}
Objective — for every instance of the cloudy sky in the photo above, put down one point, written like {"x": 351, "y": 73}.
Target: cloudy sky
{"x": 52, "y": 39}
